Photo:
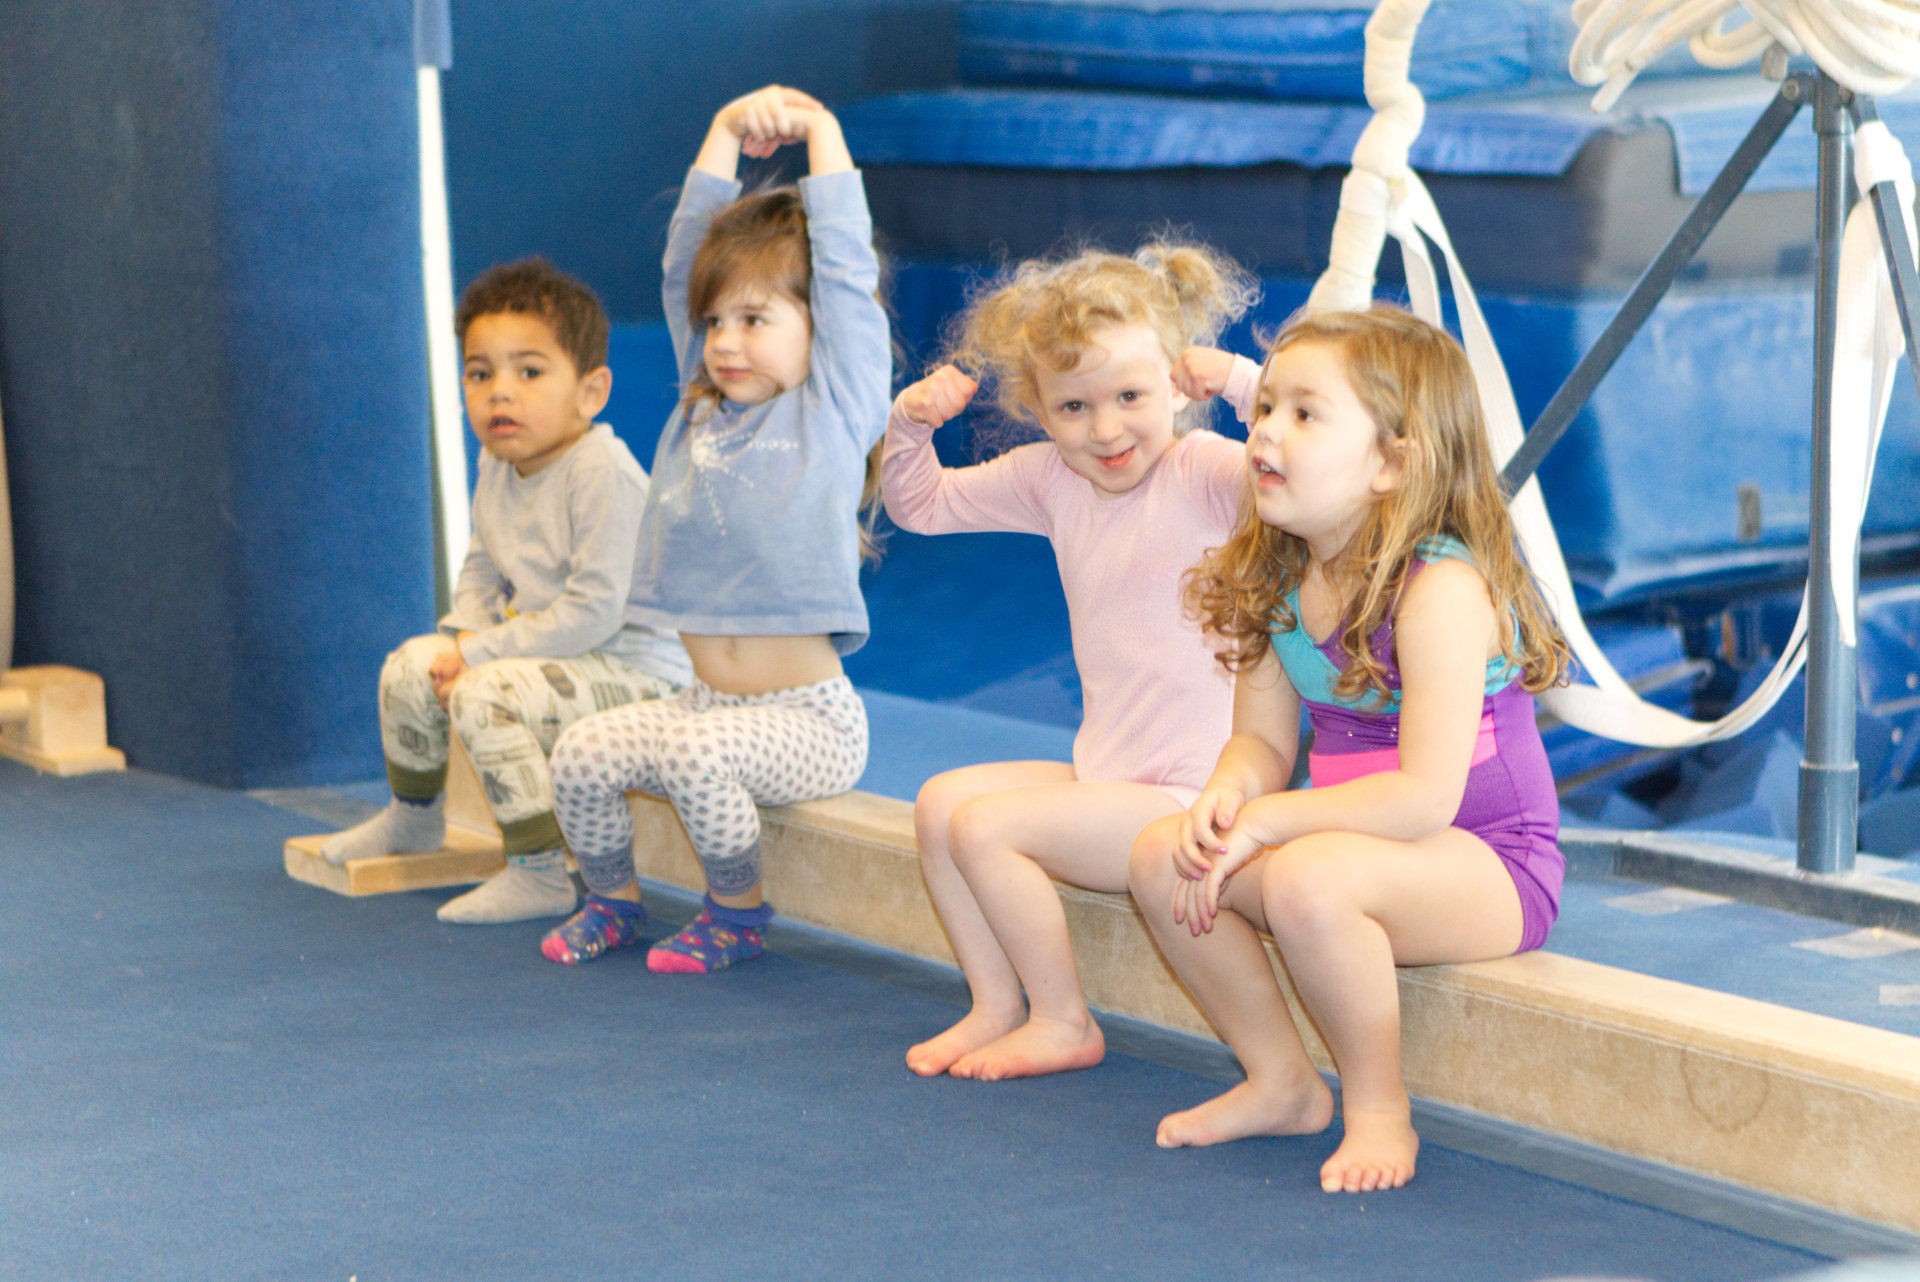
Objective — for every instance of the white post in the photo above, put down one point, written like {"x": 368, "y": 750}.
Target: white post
{"x": 443, "y": 358}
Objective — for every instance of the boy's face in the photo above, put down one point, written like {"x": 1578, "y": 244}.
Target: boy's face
{"x": 525, "y": 399}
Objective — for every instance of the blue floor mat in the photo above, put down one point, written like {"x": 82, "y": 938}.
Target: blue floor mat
{"x": 214, "y": 1071}
{"x": 1862, "y": 976}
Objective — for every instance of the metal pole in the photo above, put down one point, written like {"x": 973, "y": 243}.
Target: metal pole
{"x": 1829, "y": 775}
{"x": 1655, "y": 281}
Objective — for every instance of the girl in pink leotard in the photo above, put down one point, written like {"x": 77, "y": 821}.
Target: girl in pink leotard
{"x": 1096, "y": 351}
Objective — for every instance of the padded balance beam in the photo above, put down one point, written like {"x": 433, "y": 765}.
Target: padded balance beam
{"x": 55, "y": 719}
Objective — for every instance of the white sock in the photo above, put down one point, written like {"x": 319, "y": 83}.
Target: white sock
{"x": 530, "y": 886}
{"x": 403, "y": 828}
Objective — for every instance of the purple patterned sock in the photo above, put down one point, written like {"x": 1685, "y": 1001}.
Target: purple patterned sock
{"x": 719, "y": 937}
{"x": 600, "y": 927}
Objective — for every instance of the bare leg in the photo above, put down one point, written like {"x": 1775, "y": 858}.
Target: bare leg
{"x": 1228, "y": 973}
{"x": 998, "y": 1007}
{"x": 1007, "y": 846}
{"x": 1345, "y": 910}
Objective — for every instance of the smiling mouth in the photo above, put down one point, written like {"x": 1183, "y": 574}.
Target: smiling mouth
{"x": 1114, "y": 462}
{"x": 1265, "y": 477}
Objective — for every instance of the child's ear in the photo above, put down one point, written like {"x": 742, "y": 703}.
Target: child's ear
{"x": 1394, "y": 470}
{"x": 595, "y": 387}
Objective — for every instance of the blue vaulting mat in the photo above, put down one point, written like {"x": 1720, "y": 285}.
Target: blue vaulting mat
{"x": 1299, "y": 49}
{"x": 1279, "y": 49}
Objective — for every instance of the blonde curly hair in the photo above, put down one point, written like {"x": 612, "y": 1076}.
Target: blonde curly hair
{"x": 1046, "y": 312}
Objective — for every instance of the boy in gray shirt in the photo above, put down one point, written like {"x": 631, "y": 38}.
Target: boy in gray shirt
{"x": 541, "y": 632}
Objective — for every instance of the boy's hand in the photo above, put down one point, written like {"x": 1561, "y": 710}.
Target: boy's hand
{"x": 1201, "y": 372}
{"x": 447, "y": 667}
{"x": 938, "y": 397}
{"x": 768, "y": 119}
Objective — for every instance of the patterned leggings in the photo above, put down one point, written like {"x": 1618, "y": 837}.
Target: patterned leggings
{"x": 508, "y": 714}
{"x": 714, "y": 756}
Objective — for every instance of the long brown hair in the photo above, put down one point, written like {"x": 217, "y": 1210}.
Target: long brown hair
{"x": 1414, "y": 382}
{"x": 761, "y": 239}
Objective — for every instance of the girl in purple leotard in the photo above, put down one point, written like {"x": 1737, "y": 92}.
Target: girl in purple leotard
{"x": 1375, "y": 580}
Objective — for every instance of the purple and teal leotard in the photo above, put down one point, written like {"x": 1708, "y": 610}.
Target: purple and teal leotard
{"x": 1509, "y": 803}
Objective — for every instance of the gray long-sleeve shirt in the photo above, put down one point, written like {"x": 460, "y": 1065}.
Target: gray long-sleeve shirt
{"x": 550, "y": 567}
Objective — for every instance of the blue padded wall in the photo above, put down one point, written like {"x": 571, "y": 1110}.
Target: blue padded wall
{"x": 212, "y": 359}
{"x": 570, "y": 126}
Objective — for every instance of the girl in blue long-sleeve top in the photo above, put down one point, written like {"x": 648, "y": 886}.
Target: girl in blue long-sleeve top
{"x": 751, "y": 541}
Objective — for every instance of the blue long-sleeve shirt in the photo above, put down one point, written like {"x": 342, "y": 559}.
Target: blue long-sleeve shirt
{"x": 751, "y": 528}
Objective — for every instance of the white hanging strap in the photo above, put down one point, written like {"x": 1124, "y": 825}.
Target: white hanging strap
{"x": 1618, "y": 38}
{"x": 1868, "y": 347}
{"x": 1609, "y": 707}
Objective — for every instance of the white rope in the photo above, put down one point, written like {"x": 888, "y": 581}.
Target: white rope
{"x": 1383, "y": 195}
{"x": 1870, "y": 46}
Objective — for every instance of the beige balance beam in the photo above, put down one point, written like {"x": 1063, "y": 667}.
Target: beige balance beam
{"x": 54, "y": 719}
{"x": 1798, "y": 1105}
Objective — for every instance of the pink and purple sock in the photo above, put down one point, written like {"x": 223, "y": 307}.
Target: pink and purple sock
{"x": 719, "y": 937}
{"x": 600, "y": 926}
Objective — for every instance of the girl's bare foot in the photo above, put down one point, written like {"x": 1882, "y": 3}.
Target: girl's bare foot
{"x": 976, "y": 1029}
{"x": 1247, "y": 1109}
{"x": 1377, "y": 1153}
{"x": 1036, "y": 1047}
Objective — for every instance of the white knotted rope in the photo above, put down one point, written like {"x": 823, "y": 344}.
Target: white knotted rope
{"x": 1870, "y": 46}
{"x": 1382, "y": 195}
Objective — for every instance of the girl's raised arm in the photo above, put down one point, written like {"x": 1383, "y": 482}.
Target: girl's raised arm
{"x": 851, "y": 362}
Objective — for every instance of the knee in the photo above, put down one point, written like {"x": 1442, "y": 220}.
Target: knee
{"x": 406, "y": 668}
{"x": 972, "y": 828}
{"x": 1150, "y": 864}
{"x": 1304, "y": 888}
{"x": 933, "y": 809}
{"x": 688, "y": 762}
{"x": 570, "y": 762}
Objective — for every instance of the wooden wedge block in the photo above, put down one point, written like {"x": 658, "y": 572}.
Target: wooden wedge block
{"x": 54, "y": 719}
{"x": 467, "y": 857}
{"x": 473, "y": 851}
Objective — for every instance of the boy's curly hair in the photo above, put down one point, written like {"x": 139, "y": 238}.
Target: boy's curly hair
{"x": 535, "y": 287}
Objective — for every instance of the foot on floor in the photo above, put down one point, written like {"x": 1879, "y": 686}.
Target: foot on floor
{"x": 601, "y": 926}
{"x": 719, "y": 937}
{"x": 530, "y": 886}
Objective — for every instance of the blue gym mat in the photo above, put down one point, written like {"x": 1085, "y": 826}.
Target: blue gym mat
{"x": 214, "y": 1071}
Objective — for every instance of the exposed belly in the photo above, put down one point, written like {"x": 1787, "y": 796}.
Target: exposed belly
{"x": 760, "y": 665}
